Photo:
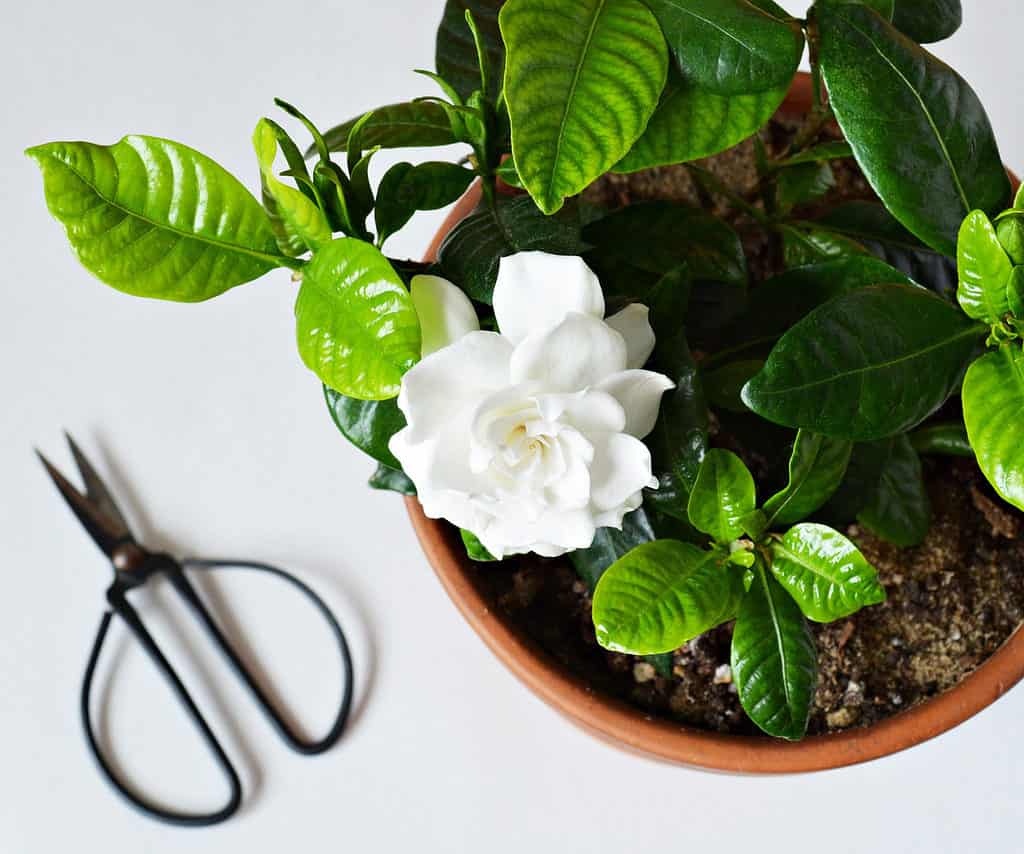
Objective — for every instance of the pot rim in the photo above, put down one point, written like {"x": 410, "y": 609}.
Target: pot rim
{"x": 626, "y": 726}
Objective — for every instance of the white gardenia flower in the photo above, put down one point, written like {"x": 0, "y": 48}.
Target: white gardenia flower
{"x": 530, "y": 438}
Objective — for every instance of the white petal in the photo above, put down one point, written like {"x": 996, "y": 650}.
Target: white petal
{"x": 550, "y": 534}
{"x": 453, "y": 378}
{"x": 588, "y": 411}
{"x": 639, "y": 393}
{"x": 621, "y": 468}
{"x": 632, "y": 323}
{"x": 445, "y": 312}
{"x": 577, "y": 353}
{"x": 536, "y": 290}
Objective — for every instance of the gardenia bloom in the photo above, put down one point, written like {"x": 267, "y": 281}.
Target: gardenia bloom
{"x": 530, "y": 438}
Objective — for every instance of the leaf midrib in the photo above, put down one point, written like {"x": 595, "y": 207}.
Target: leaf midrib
{"x": 718, "y": 27}
{"x": 970, "y": 332}
{"x": 274, "y": 260}
{"x": 783, "y": 663}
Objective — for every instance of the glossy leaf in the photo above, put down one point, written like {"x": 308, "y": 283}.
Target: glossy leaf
{"x": 455, "y": 52}
{"x": 662, "y": 594}
{"x": 984, "y": 269}
{"x": 610, "y": 544}
{"x": 993, "y": 397}
{"x": 873, "y": 227}
{"x": 919, "y": 132}
{"x": 679, "y": 440}
{"x": 722, "y": 495}
{"x": 899, "y": 510}
{"x": 805, "y": 245}
{"x": 824, "y": 572}
{"x": 412, "y": 124}
{"x": 774, "y": 661}
{"x": 393, "y": 480}
{"x": 927, "y": 21}
{"x": 802, "y": 184}
{"x": 868, "y": 364}
{"x": 1015, "y": 292}
{"x": 723, "y": 386}
{"x": 691, "y": 122}
{"x": 356, "y": 326}
{"x": 298, "y": 223}
{"x": 659, "y": 237}
{"x": 1010, "y": 231}
{"x": 582, "y": 78}
{"x": 405, "y": 189}
{"x": 730, "y": 47}
{"x": 367, "y": 424}
{"x": 948, "y": 439}
{"x": 470, "y": 253}
{"x": 154, "y": 218}
{"x": 474, "y": 548}
{"x": 816, "y": 468}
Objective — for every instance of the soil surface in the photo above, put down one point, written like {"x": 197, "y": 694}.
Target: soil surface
{"x": 952, "y": 601}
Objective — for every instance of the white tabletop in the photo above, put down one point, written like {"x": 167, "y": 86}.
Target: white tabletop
{"x": 218, "y": 444}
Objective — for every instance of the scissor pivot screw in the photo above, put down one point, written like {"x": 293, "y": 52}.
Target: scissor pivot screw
{"x": 127, "y": 557}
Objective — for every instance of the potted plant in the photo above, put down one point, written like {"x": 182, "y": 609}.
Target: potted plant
{"x": 715, "y": 411}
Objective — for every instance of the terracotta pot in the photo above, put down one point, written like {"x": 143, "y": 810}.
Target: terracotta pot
{"x": 626, "y": 726}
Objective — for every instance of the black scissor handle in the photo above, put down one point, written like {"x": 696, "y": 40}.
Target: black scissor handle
{"x": 120, "y": 606}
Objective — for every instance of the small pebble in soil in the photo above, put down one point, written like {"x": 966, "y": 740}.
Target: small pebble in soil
{"x": 643, "y": 671}
{"x": 723, "y": 675}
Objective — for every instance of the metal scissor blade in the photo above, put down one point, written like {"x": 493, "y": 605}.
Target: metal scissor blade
{"x": 95, "y": 489}
{"x": 107, "y": 531}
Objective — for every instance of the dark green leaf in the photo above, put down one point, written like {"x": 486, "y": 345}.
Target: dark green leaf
{"x": 824, "y": 573}
{"x": 356, "y": 326}
{"x": 656, "y": 238}
{"x": 802, "y": 246}
{"x": 412, "y": 124}
{"x": 474, "y": 548}
{"x": 577, "y": 99}
{"x": 154, "y": 218}
{"x": 723, "y": 494}
{"x": 730, "y": 47}
{"x": 393, "y": 480}
{"x": 405, "y": 189}
{"x": 993, "y": 397}
{"x": 723, "y": 385}
{"x": 868, "y": 364}
{"x": 690, "y": 123}
{"x": 919, "y": 132}
{"x": 927, "y": 21}
{"x": 456, "y": 56}
{"x": 471, "y": 252}
{"x": 871, "y": 225}
{"x": 984, "y": 269}
{"x": 801, "y": 184}
{"x": 860, "y": 484}
{"x": 662, "y": 594}
{"x": 816, "y": 468}
{"x": 774, "y": 662}
{"x": 610, "y": 544}
{"x": 947, "y": 439}
{"x": 367, "y": 424}
{"x": 899, "y": 511}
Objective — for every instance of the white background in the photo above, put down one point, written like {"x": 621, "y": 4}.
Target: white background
{"x": 218, "y": 444}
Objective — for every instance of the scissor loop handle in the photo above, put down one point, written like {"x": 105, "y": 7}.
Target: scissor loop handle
{"x": 120, "y": 606}
{"x": 293, "y": 739}
{"x": 123, "y": 609}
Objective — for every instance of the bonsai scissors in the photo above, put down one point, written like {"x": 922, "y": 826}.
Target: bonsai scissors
{"x": 134, "y": 565}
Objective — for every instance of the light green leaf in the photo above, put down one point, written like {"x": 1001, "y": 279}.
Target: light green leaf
{"x": 899, "y": 510}
{"x": 582, "y": 78}
{"x": 1015, "y": 292}
{"x": 723, "y": 494}
{"x": 816, "y": 468}
{"x": 154, "y": 218}
{"x": 1010, "y": 231}
{"x": 984, "y": 269}
{"x": 662, "y": 594}
{"x": 868, "y": 364}
{"x": 356, "y": 326}
{"x": 690, "y": 123}
{"x": 774, "y": 662}
{"x": 730, "y": 47}
{"x": 299, "y": 223}
{"x": 610, "y": 544}
{"x": 405, "y": 189}
{"x": 907, "y": 114}
{"x": 993, "y": 397}
{"x": 824, "y": 573}
{"x": 412, "y": 124}
{"x": 367, "y": 424}
{"x": 474, "y": 548}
